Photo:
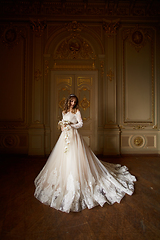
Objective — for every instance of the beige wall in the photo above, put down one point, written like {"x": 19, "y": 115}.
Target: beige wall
{"x": 124, "y": 53}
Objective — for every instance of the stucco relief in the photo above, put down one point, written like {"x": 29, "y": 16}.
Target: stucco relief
{"x": 74, "y": 48}
{"x": 38, "y": 27}
{"x": 111, "y": 27}
{"x": 137, "y": 37}
{"x": 12, "y": 35}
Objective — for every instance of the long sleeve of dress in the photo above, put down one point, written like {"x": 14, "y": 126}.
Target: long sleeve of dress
{"x": 79, "y": 123}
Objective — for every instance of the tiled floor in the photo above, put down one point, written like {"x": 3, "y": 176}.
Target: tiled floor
{"x": 23, "y": 217}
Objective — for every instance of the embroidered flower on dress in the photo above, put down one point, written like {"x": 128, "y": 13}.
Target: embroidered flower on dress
{"x": 66, "y": 127}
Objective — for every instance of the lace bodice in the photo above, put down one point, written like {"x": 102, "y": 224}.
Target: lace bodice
{"x": 76, "y": 119}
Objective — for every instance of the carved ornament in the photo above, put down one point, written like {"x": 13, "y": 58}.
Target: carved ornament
{"x": 37, "y": 75}
{"x": 67, "y": 80}
{"x": 46, "y": 67}
{"x": 111, "y": 27}
{"x": 74, "y": 27}
{"x": 84, "y": 80}
{"x": 62, "y": 102}
{"x": 102, "y": 68}
{"x": 137, "y": 37}
{"x": 38, "y": 27}
{"x": 10, "y": 141}
{"x": 79, "y": 8}
{"x": 138, "y": 141}
{"x": 155, "y": 127}
{"x": 12, "y": 35}
{"x": 74, "y": 48}
{"x": 84, "y": 103}
{"x": 110, "y": 75}
{"x": 139, "y": 127}
{"x": 69, "y": 67}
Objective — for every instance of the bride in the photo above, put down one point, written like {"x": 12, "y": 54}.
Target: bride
{"x": 73, "y": 178}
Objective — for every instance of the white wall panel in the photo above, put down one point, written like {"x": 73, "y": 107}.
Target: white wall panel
{"x": 138, "y": 84}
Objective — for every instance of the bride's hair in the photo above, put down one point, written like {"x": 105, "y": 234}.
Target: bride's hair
{"x": 67, "y": 104}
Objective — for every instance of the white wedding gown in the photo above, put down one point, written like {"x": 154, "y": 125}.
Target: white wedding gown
{"x": 75, "y": 179}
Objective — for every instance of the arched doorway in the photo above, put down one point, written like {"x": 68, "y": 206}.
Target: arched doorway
{"x": 72, "y": 66}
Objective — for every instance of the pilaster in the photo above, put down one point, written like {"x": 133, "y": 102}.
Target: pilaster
{"x": 111, "y": 133}
{"x": 36, "y": 129}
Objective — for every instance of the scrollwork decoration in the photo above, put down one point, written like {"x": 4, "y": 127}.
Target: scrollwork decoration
{"x": 102, "y": 68}
{"x": 12, "y": 35}
{"x": 10, "y": 141}
{"x": 138, "y": 141}
{"x": 62, "y": 102}
{"x": 110, "y": 75}
{"x": 37, "y": 75}
{"x": 74, "y": 48}
{"x": 137, "y": 37}
{"x": 84, "y": 103}
{"x": 38, "y": 27}
{"x": 46, "y": 67}
{"x": 139, "y": 127}
{"x": 74, "y": 27}
{"x": 111, "y": 27}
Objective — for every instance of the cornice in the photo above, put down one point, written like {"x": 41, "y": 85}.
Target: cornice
{"x": 52, "y": 10}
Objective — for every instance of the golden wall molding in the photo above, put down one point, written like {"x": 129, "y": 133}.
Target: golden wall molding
{"x": 10, "y": 141}
{"x": 138, "y": 38}
{"x": 84, "y": 103}
{"x": 111, "y": 27}
{"x": 84, "y": 80}
{"x": 102, "y": 68}
{"x": 8, "y": 125}
{"x": 61, "y": 32}
{"x": 38, "y": 27}
{"x": 61, "y": 103}
{"x": 143, "y": 142}
{"x": 12, "y": 35}
{"x": 74, "y": 48}
{"x": 139, "y": 127}
{"x": 110, "y": 75}
{"x": 138, "y": 141}
{"x": 74, "y": 27}
{"x": 80, "y": 8}
{"x": 37, "y": 75}
{"x": 64, "y": 80}
{"x": 46, "y": 67}
{"x": 70, "y": 67}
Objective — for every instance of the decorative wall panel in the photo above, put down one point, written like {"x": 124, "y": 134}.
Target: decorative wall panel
{"x": 12, "y": 90}
{"x": 138, "y": 76}
{"x": 144, "y": 142}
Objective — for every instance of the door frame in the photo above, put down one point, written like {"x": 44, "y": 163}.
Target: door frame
{"x": 54, "y": 131}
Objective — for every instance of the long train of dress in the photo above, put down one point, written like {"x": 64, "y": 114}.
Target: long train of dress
{"x": 73, "y": 178}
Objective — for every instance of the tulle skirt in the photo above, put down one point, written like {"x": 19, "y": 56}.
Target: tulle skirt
{"x": 73, "y": 178}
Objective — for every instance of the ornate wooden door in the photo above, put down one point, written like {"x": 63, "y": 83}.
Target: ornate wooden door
{"x": 84, "y": 85}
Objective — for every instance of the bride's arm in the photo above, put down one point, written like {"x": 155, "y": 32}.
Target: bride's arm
{"x": 79, "y": 120}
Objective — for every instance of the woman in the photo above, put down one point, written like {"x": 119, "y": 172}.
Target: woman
{"x": 73, "y": 178}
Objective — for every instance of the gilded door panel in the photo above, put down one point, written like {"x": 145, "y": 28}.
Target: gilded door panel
{"x": 85, "y": 90}
{"x": 64, "y": 86}
{"x": 61, "y": 86}
{"x": 84, "y": 86}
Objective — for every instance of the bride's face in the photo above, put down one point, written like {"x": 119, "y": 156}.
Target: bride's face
{"x": 73, "y": 102}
